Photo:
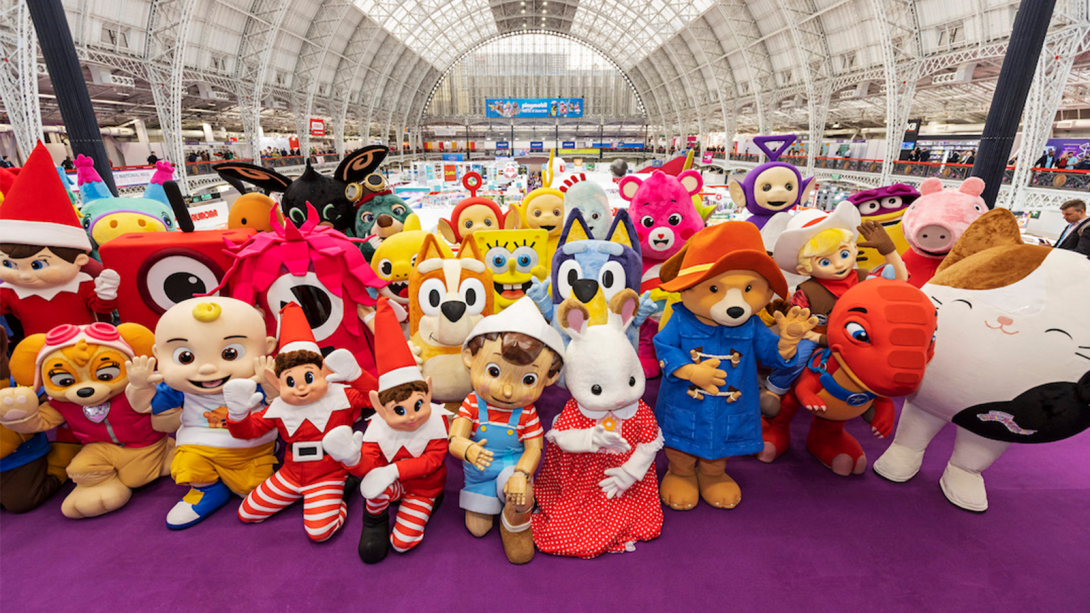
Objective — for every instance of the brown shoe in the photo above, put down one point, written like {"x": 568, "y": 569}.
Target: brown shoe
{"x": 519, "y": 546}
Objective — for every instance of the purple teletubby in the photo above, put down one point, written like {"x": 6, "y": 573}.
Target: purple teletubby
{"x": 772, "y": 187}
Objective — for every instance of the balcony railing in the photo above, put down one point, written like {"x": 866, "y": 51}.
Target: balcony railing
{"x": 1049, "y": 178}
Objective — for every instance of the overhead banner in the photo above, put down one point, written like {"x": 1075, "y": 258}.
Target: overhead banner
{"x": 450, "y": 173}
{"x": 578, "y": 152}
{"x": 569, "y": 144}
{"x": 503, "y": 145}
{"x": 536, "y": 145}
{"x": 534, "y": 107}
{"x": 317, "y": 127}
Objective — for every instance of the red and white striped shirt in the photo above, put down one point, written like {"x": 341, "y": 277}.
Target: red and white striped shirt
{"x": 529, "y": 425}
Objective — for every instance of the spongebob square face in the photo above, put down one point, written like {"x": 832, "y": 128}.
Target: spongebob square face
{"x": 515, "y": 257}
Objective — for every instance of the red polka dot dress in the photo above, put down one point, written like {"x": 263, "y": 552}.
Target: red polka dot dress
{"x": 574, "y": 516}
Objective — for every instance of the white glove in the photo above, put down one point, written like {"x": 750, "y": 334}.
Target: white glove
{"x": 343, "y": 444}
{"x": 617, "y": 482}
{"x": 589, "y": 440}
{"x": 344, "y": 366}
{"x": 106, "y": 284}
{"x": 241, "y": 396}
{"x": 605, "y": 439}
{"x": 376, "y": 481}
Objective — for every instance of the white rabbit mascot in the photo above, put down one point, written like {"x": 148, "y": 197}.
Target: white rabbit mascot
{"x": 598, "y": 491}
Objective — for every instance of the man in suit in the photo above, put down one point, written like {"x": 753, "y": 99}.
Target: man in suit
{"x": 1075, "y": 236}
{"x": 1048, "y": 160}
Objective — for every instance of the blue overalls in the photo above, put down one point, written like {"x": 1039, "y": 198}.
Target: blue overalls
{"x": 483, "y": 491}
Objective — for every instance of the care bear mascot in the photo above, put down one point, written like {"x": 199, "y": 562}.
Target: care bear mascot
{"x": 662, "y": 209}
{"x": 1012, "y": 357}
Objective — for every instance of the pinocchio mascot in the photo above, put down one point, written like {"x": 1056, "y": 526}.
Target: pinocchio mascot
{"x": 400, "y": 456}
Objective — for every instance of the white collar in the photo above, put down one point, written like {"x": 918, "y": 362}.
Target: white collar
{"x": 317, "y": 412}
{"x": 48, "y": 293}
{"x": 391, "y": 441}
{"x": 622, "y": 413}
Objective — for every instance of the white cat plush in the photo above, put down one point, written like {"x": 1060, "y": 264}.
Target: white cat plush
{"x": 1012, "y": 357}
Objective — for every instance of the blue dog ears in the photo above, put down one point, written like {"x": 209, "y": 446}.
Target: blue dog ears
{"x": 575, "y": 229}
{"x": 785, "y": 141}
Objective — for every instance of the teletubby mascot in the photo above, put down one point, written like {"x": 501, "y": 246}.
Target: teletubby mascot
{"x": 708, "y": 404}
{"x": 772, "y": 188}
{"x": 881, "y": 337}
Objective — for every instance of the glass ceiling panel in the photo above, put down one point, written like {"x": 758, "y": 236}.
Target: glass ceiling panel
{"x": 630, "y": 30}
{"x": 437, "y": 30}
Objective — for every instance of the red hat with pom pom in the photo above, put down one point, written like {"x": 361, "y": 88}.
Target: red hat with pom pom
{"x": 37, "y": 210}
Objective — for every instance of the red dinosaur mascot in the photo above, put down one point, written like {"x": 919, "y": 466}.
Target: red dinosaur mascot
{"x": 881, "y": 337}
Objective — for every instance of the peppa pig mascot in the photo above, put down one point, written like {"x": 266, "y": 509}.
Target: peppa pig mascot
{"x": 662, "y": 208}
{"x": 935, "y": 221}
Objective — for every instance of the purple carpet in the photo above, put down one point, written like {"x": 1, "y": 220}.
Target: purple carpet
{"x": 803, "y": 539}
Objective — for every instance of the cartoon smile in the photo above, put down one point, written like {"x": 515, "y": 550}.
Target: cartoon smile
{"x": 399, "y": 288}
{"x": 512, "y": 291}
{"x": 548, "y": 228}
{"x": 1003, "y": 322}
{"x": 208, "y": 385}
{"x": 777, "y": 203}
{"x": 934, "y": 254}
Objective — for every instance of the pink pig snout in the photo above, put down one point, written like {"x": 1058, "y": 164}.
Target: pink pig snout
{"x": 936, "y": 238}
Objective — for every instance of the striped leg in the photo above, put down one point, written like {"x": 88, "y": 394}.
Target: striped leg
{"x": 324, "y": 509}
{"x": 412, "y": 517}
{"x": 274, "y": 494}
{"x": 379, "y": 504}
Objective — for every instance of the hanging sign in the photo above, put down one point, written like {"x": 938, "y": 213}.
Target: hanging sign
{"x": 317, "y": 127}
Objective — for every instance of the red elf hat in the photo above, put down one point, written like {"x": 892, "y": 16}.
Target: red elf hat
{"x": 396, "y": 365}
{"x": 295, "y": 333}
{"x": 37, "y": 210}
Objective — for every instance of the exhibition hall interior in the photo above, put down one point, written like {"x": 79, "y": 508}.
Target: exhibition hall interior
{"x": 414, "y": 305}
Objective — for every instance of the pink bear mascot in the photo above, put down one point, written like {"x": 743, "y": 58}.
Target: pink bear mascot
{"x": 935, "y": 221}
{"x": 665, "y": 217}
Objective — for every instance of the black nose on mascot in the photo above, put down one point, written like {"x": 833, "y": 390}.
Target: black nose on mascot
{"x": 585, "y": 289}
{"x": 85, "y": 392}
{"x": 735, "y": 312}
{"x": 453, "y": 310}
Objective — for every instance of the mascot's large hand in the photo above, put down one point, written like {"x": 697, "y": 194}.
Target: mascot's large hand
{"x": 344, "y": 445}
{"x": 793, "y": 327}
{"x": 17, "y": 403}
{"x": 343, "y": 365}
{"x": 539, "y": 293}
{"x": 648, "y": 307}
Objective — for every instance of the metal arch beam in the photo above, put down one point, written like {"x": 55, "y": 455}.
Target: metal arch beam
{"x": 488, "y": 39}
{"x": 699, "y": 87}
{"x": 164, "y": 56}
{"x": 758, "y": 60}
{"x": 812, "y": 54}
{"x": 652, "y": 99}
{"x": 1053, "y": 69}
{"x": 19, "y": 74}
{"x": 639, "y": 69}
{"x": 380, "y": 91}
{"x": 358, "y": 49}
{"x": 417, "y": 94}
{"x": 308, "y": 66}
{"x": 672, "y": 84}
{"x": 252, "y": 65}
{"x": 394, "y": 102}
{"x": 722, "y": 75}
{"x": 650, "y": 62}
{"x": 901, "y": 63}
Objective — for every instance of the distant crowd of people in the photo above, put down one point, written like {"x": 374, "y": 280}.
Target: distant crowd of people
{"x": 955, "y": 157}
{"x": 1067, "y": 160}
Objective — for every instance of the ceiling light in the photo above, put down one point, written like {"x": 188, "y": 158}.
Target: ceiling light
{"x": 523, "y": 11}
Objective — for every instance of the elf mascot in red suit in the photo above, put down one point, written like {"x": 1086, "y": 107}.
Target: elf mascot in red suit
{"x": 400, "y": 456}
{"x": 313, "y": 400}
{"x": 43, "y": 250}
